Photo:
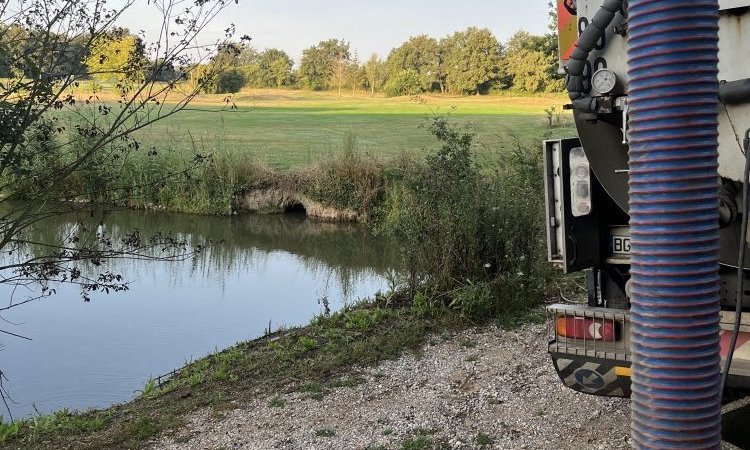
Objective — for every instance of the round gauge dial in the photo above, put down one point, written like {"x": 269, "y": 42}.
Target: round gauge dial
{"x": 604, "y": 81}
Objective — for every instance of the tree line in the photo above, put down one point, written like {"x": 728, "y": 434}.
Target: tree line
{"x": 472, "y": 61}
{"x": 468, "y": 62}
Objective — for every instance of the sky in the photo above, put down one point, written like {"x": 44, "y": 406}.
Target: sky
{"x": 374, "y": 26}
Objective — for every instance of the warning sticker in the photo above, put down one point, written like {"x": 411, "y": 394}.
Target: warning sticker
{"x": 567, "y": 28}
{"x": 609, "y": 378}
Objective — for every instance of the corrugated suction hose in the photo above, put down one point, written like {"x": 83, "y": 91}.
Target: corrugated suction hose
{"x": 674, "y": 185}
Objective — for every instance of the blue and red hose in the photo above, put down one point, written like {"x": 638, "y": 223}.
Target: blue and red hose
{"x": 674, "y": 186}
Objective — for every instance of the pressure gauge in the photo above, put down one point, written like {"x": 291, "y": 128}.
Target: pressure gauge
{"x": 604, "y": 81}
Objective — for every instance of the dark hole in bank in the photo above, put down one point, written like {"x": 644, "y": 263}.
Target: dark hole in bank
{"x": 295, "y": 208}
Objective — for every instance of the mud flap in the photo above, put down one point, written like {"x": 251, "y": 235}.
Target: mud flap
{"x": 603, "y": 377}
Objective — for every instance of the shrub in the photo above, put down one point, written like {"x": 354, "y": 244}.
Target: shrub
{"x": 471, "y": 239}
{"x": 230, "y": 81}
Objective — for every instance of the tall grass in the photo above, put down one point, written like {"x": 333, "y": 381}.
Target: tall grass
{"x": 185, "y": 176}
{"x": 349, "y": 180}
{"x": 198, "y": 176}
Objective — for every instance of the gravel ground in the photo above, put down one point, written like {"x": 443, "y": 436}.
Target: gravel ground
{"x": 460, "y": 391}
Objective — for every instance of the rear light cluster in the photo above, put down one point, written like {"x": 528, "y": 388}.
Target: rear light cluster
{"x": 580, "y": 183}
{"x": 587, "y": 328}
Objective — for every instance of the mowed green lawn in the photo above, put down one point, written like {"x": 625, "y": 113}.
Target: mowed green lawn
{"x": 288, "y": 129}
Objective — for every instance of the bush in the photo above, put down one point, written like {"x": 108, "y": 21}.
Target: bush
{"x": 230, "y": 81}
{"x": 471, "y": 239}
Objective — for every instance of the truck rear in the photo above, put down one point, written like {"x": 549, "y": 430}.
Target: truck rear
{"x": 587, "y": 202}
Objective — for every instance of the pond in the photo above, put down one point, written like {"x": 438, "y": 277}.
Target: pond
{"x": 259, "y": 272}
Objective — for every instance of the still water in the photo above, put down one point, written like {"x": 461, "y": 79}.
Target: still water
{"x": 258, "y": 270}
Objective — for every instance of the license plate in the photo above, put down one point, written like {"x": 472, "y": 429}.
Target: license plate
{"x": 620, "y": 245}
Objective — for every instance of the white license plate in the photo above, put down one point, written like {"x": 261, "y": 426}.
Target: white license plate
{"x": 620, "y": 245}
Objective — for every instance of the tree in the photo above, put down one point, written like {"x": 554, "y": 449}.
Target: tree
{"x": 528, "y": 70}
{"x": 321, "y": 64}
{"x": 229, "y": 81}
{"x": 163, "y": 71}
{"x": 116, "y": 57}
{"x": 375, "y": 73}
{"x": 356, "y": 75}
{"x": 472, "y": 61}
{"x": 275, "y": 67}
{"x": 50, "y": 137}
{"x": 530, "y": 63}
{"x": 339, "y": 69}
{"x": 420, "y": 54}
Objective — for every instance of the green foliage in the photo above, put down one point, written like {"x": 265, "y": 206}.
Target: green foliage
{"x": 527, "y": 71}
{"x": 475, "y": 300}
{"x": 325, "y": 432}
{"x": 531, "y": 63}
{"x": 278, "y": 66}
{"x": 62, "y": 422}
{"x": 465, "y": 62}
{"x": 351, "y": 180}
{"x": 145, "y": 427}
{"x": 405, "y": 82}
{"x": 308, "y": 343}
{"x": 150, "y": 389}
{"x": 420, "y": 54}
{"x": 319, "y": 64}
{"x": 375, "y": 72}
{"x": 270, "y": 68}
{"x": 203, "y": 78}
{"x": 424, "y": 306}
{"x": 229, "y": 81}
{"x": 117, "y": 57}
{"x": 8, "y": 430}
{"x": 472, "y": 61}
{"x": 482, "y": 440}
{"x": 471, "y": 240}
{"x": 164, "y": 71}
{"x": 314, "y": 390}
{"x": 417, "y": 443}
{"x": 205, "y": 169}
{"x": 355, "y": 76}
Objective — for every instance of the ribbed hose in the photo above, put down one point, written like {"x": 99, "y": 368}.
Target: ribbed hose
{"x": 674, "y": 185}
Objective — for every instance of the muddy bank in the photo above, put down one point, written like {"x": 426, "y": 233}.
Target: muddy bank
{"x": 281, "y": 201}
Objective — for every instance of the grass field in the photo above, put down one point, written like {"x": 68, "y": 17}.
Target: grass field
{"x": 289, "y": 129}
{"x": 337, "y": 151}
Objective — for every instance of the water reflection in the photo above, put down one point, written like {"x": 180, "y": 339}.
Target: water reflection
{"x": 258, "y": 269}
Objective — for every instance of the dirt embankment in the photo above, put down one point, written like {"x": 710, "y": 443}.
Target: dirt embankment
{"x": 279, "y": 201}
{"x": 479, "y": 389}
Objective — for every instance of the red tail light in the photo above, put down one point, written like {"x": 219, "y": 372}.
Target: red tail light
{"x": 586, "y": 328}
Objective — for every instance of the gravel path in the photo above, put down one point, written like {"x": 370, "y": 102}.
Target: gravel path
{"x": 462, "y": 392}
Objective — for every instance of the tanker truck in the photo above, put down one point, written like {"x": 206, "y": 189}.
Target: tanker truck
{"x": 587, "y": 199}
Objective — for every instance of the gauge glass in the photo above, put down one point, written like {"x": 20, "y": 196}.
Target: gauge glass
{"x": 604, "y": 81}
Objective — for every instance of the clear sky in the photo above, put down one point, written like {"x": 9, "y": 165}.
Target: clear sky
{"x": 370, "y": 26}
